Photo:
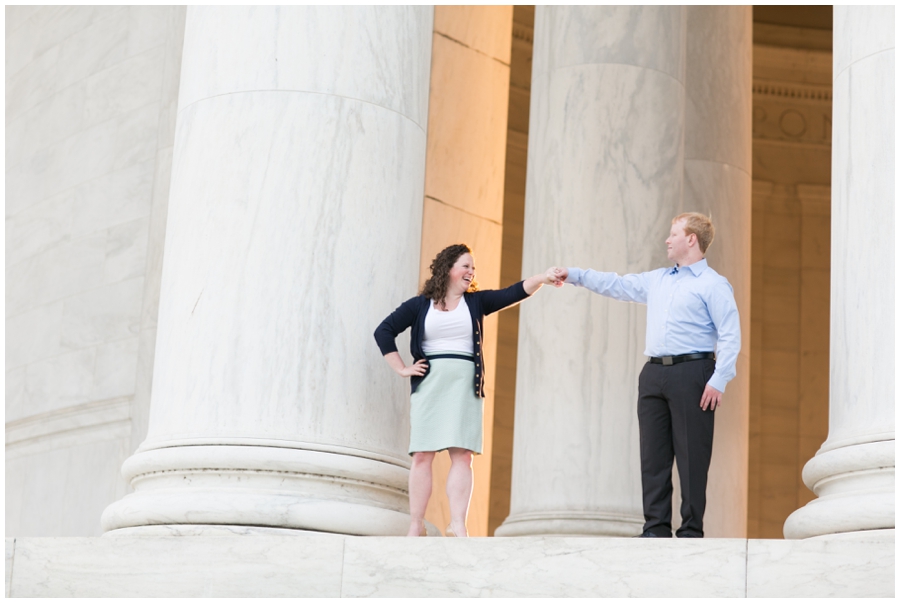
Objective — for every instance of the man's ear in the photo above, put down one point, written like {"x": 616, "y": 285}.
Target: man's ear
{"x": 693, "y": 240}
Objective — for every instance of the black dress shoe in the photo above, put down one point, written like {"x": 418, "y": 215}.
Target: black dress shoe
{"x": 690, "y": 536}
{"x": 649, "y": 535}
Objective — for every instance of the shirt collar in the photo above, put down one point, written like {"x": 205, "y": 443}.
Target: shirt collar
{"x": 696, "y": 268}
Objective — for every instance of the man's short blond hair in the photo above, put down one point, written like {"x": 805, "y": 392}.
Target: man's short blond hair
{"x": 700, "y": 225}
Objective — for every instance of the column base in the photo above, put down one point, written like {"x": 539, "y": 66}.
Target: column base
{"x": 855, "y": 486}
{"x": 560, "y": 523}
{"x": 208, "y": 531}
{"x": 863, "y": 536}
{"x": 261, "y": 487}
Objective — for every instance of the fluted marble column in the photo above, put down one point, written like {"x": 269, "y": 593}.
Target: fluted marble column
{"x": 294, "y": 225}
{"x": 605, "y": 172}
{"x": 853, "y": 472}
{"x": 717, "y": 182}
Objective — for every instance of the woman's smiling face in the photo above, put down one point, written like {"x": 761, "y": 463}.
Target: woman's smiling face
{"x": 462, "y": 274}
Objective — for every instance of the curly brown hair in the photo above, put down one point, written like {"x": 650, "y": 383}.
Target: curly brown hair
{"x": 435, "y": 288}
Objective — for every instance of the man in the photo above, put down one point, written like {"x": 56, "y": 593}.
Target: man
{"x": 691, "y": 313}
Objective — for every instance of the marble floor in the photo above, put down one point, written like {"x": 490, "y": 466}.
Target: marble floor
{"x": 225, "y": 564}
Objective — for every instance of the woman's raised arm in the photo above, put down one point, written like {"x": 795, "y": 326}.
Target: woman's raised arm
{"x": 533, "y": 283}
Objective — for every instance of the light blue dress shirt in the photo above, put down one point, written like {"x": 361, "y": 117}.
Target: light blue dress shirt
{"x": 689, "y": 309}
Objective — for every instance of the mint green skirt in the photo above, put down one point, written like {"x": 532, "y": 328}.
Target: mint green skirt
{"x": 444, "y": 410}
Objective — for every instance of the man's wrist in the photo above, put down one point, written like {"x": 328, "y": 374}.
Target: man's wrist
{"x": 717, "y": 382}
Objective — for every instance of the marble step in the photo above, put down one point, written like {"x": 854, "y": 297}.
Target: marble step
{"x": 225, "y": 564}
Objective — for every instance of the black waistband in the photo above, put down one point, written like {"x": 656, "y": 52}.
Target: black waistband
{"x": 670, "y": 360}
{"x": 454, "y": 356}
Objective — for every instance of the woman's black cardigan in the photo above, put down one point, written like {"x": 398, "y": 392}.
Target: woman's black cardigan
{"x": 411, "y": 313}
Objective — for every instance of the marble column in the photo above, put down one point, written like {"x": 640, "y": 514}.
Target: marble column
{"x": 605, "y": 173}
{"x": 294, "y": 227}
{"x": 717, "y": 165}
{"x": 852, "y": 474}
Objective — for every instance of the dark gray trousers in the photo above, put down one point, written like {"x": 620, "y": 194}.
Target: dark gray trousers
{"x": 672, "y": 425}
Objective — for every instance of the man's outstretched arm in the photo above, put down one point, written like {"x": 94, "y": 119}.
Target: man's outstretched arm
{"x": 630, "y": 287}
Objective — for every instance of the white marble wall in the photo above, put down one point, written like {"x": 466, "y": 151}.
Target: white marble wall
{"x": 294, "y": 228}
{"x": 853, "y": 472}
{"x": 605, "y": 172}
{"x": 717, "y": 165}
{"x": 346, "y": 566}
{"x": 90, "y": 98}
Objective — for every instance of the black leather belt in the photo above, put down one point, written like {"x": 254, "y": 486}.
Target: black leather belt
{"x": 454, "y": 356}
{"x": 670, "y": 360}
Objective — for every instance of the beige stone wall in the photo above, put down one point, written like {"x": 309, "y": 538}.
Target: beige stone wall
{"x": 465, "y": 164}
{"x": 790, "y": 286}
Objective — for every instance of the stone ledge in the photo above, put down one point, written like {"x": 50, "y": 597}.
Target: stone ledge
{"x": 228, "y": 565}
{"x": 106, "y": 419}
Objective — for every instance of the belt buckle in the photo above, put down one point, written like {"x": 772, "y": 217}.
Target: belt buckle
{"x": 667, "y": 361}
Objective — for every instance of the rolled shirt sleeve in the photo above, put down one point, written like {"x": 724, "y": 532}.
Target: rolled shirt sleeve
{"x": 724, "y": 314}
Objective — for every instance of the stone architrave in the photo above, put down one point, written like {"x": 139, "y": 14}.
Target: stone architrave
{"x": 605, "y": 173}
{"x": 852, "y": 474}
{"x": 717, "y": 182}
{"x": 294, "y": 224}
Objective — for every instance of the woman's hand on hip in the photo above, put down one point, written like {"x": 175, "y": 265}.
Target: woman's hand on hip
{"x": 396, "y": 362}
{"x": 416, "y": 369}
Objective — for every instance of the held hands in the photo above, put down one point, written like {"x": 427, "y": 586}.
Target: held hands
{"x": 711, "y": 399}
{"x": 533, "y": 283}
{"x": 555, "y": 276}
{"x": 560, "y": 274}
{"x": 417, "y": 369}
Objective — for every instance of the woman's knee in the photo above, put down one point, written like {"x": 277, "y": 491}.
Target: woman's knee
{"x": 461, "y": 455}
{"x": 422, "y": 458}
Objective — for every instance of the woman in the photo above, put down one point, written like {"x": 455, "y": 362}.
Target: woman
{"x": 446, "y": 406}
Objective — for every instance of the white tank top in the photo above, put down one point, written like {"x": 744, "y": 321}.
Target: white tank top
{"x": 448, "y": 331}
